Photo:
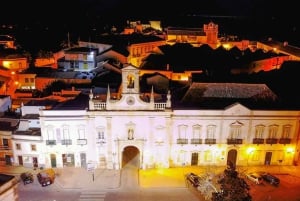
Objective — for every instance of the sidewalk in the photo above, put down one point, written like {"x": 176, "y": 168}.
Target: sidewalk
{"x": 79, "y": 178}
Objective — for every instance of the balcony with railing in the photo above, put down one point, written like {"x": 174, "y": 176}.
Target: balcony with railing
{"x": 182, "y": 141}
{"x": 66, "y": 142}
{"x": 285, "y": 141}
{"x": 271, "y": 141}
{"x": 258, "y": 141}
{"x": 5, "y": 148}
{"x": 100, "y": 105}
{"x": 100, "y": 141}
{"x": 234, "y": 141}
{"x": 50, "y": 142}
{"x": 81, "y": 141}
{"x": 196, "y": 141}
{"x": 210, "y": 141}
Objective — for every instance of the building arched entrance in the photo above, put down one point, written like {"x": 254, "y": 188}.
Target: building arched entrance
{"x": 231, "y": 157}
{"x": 131, "y": 156}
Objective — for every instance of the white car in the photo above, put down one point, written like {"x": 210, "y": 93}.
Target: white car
{"x": 254, "y": 177}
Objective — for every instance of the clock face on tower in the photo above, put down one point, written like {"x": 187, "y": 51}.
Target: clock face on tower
{"x": 130, "y": 100}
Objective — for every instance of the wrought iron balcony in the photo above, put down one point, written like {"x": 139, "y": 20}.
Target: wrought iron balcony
{"x": 258, "y": 141}
{"x": 50, "y": 142}
{"x": 234, "y": 141}
{"x": 66, "y": 142}
{"x": 182, "y": 141}
{"x": 81, "y": 141}
{"x": 210, "y": 141}
{"x": 100, "y": 141}
{"x": 5, "y": 147}
{"x": 284, "y": 141}
{"x": 271, "y": 141}
{"x": 196, "y": 141}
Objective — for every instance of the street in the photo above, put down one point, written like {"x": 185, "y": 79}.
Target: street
{"x": 131, "y": 189}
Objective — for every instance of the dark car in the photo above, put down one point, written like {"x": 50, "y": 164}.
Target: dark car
{"x": 271, "y": 179}
{"x": 27, "y": 177}
{"x": 46, "y": 177}
{"x": 193, "y": 179}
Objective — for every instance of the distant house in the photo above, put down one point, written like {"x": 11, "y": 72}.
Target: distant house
{"x": 283, "y": 48}
{"x": 125, "y": 48}
{"x": 82, "y": 59}
{"x": 5, "y": 103}
{"x": 7, "y": 41}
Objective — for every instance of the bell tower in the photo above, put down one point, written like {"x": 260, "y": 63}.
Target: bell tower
{"x": 130, "y": 80}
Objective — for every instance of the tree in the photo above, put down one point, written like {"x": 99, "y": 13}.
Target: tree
{"x": 54, "y": 86}
{"x": 233, "y": 188}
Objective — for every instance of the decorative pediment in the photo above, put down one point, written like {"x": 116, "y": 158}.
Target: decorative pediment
{"x": 236, "y": 110}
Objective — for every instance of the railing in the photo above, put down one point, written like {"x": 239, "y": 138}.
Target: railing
{"x": 284, "y": 141}
{"x": 4, "y": 147}
{"x": 258, "y": 141}
{"x": 210, "y": 141}
{"x": 66, "y": 142}
{"x": 196, "y": 141}
{"x": 99, "y": 105}
{"x": 182, "y": 141}
{"x": 81, "y": 141}
{"x": 100, "y": 141}
{"x": 234, "y": 141}
{"x": 160, "y": 106}
{"x": 271, "y": 141}
{"x": 50, "y": 142}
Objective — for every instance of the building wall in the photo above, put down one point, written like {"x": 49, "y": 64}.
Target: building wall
{"x": 156, "y": 135}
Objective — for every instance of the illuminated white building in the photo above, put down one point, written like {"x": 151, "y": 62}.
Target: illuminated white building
{"x": 109, "y": 132}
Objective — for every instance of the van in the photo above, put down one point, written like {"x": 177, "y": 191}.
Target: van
{"x": 46, "y": 177}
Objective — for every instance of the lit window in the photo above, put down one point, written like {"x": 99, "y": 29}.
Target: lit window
{"x": 286, "y": 131}
{"x": 66, "y": 134}
{"x": 235, "y": 130}
{"x": 259, "y": 131}
{"x": 33, "y": 147}
{"x": 182, "y": 131}
{"x": 81, "y": 132}
{"x": 5, "y": 142}
{"x": 18, "y": 146}
{"x": 50, "y": 132}
{"x": 273, "y": 129}
{"x": 211, "y": 129}
{"x": 197, "y": 131}
{"x": 100, "y": 133}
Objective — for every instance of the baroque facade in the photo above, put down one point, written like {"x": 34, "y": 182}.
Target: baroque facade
{"x": 129, "y": 124}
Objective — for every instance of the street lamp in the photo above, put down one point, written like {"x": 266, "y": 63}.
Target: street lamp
{"x": 250, "y": 150}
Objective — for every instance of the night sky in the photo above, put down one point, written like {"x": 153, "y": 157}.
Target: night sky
{"x": 55, "y": 9}
{"x": 256, "y": 18}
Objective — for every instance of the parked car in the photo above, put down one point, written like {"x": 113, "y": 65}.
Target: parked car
{"x": 254, "y": 177}
{"x": 27, "y": 177}
{"x": 193, "y": 179}
{"x": 46, "y": 177}
{"x": 271, "y": 179}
